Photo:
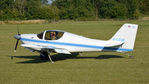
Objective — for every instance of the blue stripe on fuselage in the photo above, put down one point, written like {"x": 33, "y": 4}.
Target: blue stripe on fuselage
{"x": 76, "y": 45}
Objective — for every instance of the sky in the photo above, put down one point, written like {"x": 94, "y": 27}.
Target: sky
{"x": 49, "y": 1}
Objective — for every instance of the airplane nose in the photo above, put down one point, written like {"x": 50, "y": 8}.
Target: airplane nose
{"x": 17, "y": 36}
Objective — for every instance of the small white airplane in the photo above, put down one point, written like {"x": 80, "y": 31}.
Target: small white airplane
{"x": 66, "y": 43}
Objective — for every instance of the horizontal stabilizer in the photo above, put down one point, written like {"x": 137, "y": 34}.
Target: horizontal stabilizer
{"x": 114, "y": 44}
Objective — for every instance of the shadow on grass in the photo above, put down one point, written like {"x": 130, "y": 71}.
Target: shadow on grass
{"x": 32, "y": 59}
{"x": 60, "y": 57}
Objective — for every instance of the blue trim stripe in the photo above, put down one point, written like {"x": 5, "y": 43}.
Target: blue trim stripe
{"x": 76, "y": 45}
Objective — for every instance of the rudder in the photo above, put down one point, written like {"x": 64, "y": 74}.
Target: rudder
{"x": 127, "y": 34}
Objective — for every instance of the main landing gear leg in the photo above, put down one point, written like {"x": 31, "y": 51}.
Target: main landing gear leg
{"x": 45, "y": 56}
{"x": 50, "y": 57}
{"x": 80, "y": 54}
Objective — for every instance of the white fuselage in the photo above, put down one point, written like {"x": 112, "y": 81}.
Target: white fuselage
{"x": 69, "y": 41}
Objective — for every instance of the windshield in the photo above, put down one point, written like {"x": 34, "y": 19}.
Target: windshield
{"x": 40, "y": 35}
{"x": 53, "y": 35}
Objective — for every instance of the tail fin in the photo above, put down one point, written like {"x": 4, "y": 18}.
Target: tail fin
{"x": 127, "y": 34}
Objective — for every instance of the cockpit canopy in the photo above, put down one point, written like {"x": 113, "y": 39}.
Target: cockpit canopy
{"x": 50, "y": 35}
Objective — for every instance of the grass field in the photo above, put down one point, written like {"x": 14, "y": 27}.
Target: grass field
{"x": 91, "y": 68}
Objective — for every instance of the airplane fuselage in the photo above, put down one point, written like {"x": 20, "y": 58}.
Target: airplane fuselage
{"x": 71, "y": 42}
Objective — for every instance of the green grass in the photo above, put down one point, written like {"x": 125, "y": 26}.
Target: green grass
{"x": 91, "y": 68}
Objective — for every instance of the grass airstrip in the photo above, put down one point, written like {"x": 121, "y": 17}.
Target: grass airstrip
{"x": 90, "y": 68}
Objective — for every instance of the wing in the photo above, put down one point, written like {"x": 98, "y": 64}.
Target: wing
{"x": 41, "y": 47}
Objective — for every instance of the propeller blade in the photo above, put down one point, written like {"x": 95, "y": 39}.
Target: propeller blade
{"x": 18, "y": 36}
{"x": 16, "y": 45}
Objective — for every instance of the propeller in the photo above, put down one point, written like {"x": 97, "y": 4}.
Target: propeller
{"x": 16, "y": 45}
{"x": 18, "y": 36}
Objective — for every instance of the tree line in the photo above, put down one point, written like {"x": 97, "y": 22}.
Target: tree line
{"x": 72, "y": 9}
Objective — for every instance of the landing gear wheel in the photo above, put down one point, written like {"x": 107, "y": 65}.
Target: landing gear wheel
{"x": 44, "y": 56}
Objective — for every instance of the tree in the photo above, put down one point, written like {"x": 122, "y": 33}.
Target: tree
{"x": 75, "y": 9}
{"x": 44, "y": 2}
{"x": 72, "y": 9}
{"x": 133, "y": 9}
{"x": 144, "y": 6}
{"x": 48, "y": 12}
{"x": 32, "y": 9}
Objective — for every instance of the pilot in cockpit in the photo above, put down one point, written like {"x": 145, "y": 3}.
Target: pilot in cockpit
{"x": 53, "y": 35}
